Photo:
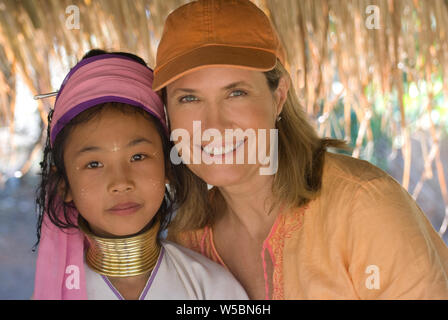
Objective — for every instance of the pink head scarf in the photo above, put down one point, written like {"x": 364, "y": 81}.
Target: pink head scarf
{"x": 105, "y": 78}
{"x": 96, "y": 80}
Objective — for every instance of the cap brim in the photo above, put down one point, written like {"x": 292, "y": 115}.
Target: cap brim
{"x": 213, "y": 55}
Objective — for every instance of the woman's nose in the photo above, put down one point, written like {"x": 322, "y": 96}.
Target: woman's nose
{"x": 215, "y": 117}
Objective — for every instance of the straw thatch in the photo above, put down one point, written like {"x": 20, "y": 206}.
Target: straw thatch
{"x": 373, "y": 53}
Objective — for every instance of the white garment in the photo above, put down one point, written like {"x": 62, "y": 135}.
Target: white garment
{"x": 180, "y": 274}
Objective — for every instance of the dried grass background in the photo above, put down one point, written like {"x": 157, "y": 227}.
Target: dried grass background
{"x": 326, "y": 40}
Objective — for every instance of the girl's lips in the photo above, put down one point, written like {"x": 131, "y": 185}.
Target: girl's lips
{"x": 123, "y": 209}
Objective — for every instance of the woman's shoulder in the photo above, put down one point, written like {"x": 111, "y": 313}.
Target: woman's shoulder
{"x": 349, "y": 183}
{"x": 356, "y": 193}
{"x": 202, "y": 274}
{"x": 349, "y": 169}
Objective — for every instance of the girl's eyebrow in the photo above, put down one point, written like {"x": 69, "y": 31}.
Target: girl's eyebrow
{"x": 139, "y": 141}
{"x": 130, "y": 144}
{"x": 87, "y": 149}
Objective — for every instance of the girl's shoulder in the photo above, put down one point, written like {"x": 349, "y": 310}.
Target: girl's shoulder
{"x": 199, "y": 240}
{"x": 195, "y": 240}
{"x": 181, "y": 253}
{"x": 201, "y": 274}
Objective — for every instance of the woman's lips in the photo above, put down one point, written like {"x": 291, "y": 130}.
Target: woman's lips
{"x": 124, "y": 209}
{"x": 214, "y": 151}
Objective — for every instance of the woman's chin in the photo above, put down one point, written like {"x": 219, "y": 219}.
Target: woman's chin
{"x": 222, "y": 175}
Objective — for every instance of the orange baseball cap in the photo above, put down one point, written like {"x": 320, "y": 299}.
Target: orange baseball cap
{"x": 207, "y": 33}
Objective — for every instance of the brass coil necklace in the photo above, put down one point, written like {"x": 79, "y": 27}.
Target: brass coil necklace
{"x": 122, "y": 256}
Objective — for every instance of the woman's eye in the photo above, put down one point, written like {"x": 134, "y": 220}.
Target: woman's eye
{"x": 189, "y": 98}
{"x": 237, "y": 93}
{"x": 138, "y": 157}
{"x": 94, "y": 165}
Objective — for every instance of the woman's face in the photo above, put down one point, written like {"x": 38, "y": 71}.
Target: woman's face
{"x": 214, "y": 100}
{"x": 116, "y": 171}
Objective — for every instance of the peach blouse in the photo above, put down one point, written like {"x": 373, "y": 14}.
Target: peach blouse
{"x": 363, "y": 237}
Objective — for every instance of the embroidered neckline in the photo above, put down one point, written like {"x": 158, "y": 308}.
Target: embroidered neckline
{"x": 284, "y": 225}
{"x": 209, "y": 232}
{"x": 288, "y": 223}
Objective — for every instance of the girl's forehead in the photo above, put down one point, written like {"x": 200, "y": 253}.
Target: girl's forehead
{"x": 114, "y": 128}
{"x": 113, "y": 119}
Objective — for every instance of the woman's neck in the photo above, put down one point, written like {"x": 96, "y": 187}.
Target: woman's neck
{"x": 249, "y": 204}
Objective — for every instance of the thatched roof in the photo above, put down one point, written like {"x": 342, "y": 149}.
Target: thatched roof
{"x": 326, "y": 40}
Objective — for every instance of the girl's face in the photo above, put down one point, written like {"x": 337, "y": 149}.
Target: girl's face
{"x": 225, "y": 98}
{"x": 116, "y": 172}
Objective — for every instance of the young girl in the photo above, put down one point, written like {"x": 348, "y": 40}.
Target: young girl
{"x": 103, "y": 200}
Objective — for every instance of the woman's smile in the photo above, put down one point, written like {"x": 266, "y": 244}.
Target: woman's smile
{"x": 215, "y": 150}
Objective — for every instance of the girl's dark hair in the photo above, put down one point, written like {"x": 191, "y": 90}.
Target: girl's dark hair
{"x": 50, "y": 192}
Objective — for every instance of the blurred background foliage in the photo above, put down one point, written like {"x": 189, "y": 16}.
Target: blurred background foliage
{"x": 372, "y": 72}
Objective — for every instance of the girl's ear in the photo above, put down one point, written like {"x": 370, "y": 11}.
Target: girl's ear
{"x": 63, "y": 189}
{"x": 65, "y": 192}
{"x": 68, "y": 197}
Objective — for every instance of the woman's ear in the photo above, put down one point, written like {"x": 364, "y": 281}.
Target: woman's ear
{"x": 281, "y": 93}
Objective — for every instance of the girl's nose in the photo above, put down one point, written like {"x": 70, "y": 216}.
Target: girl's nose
{"x": 121, "y": 182}
{"x": 121, "y": 187}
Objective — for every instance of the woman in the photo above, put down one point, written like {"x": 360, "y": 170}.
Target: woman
{"x": 321, "y": 225}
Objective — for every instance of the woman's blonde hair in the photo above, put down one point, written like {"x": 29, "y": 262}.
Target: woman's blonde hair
{"x": 298, "y": 178}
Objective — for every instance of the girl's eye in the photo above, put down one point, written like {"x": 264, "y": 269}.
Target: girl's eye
{"x": 138, "y": 157}
{"x": 94, "y": 165}
{"x": 186, "y": 99}
{"x": 237, "y": 93}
